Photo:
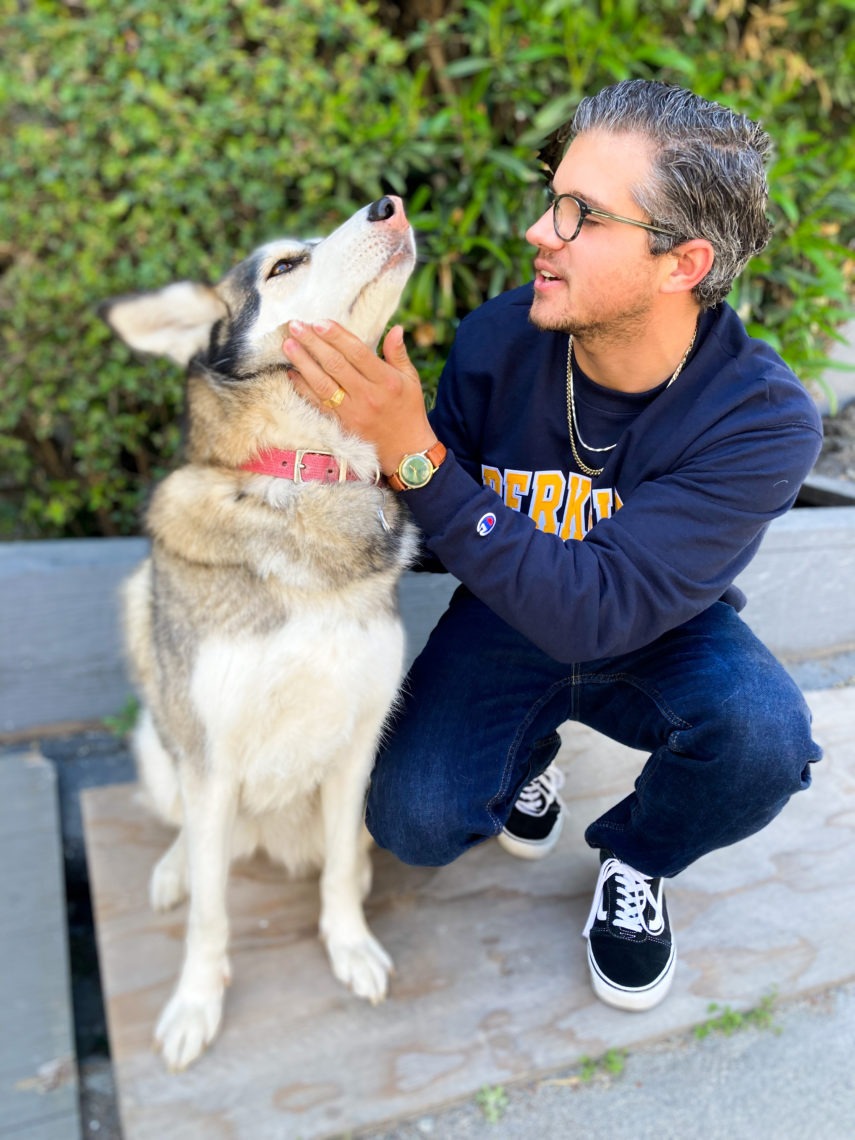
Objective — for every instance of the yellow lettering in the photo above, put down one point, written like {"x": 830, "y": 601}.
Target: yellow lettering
{"x": 546, "y": 499}
{"x": 490, "y": 477}
{"x": 583, "y": 507}
{"x": 603, "y": 503}
{"x": 578, "y": 493}
{"x": 517, "y": 484}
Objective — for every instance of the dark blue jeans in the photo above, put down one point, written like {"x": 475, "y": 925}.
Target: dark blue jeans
{"x": 727, "y": 730}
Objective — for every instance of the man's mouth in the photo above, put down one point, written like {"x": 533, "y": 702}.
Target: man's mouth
{"x": 545, "y": 278}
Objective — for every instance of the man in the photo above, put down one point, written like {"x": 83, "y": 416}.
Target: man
{"x": 617, "y": 400}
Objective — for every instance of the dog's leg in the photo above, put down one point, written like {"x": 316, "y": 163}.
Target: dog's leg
{"x": 357, "y": 958}
{"x": 191, "y": 1018}
{"x": 157, "y": 771}
{"x": 169, "y": 884}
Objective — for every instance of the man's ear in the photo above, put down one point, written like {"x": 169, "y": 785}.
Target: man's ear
{"x": 174, "y": 322}
{"x": 690, "y": 261}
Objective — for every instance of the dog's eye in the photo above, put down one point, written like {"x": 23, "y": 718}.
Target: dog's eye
{"x": 286, "y": 264}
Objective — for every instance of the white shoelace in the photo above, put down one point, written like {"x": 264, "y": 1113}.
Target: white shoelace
{"x": 633, "y": 896}
{"x": 536, "y": 797}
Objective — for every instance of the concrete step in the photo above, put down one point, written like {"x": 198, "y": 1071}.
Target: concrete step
{"x": 60, "y": 635}
{"x": 38, "y": 1069}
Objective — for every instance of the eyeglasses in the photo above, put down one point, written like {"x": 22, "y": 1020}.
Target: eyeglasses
{"x": 569, "y": 212}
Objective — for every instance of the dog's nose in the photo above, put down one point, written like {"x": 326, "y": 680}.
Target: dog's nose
{"x": 381, "y": 210}
{"x": 390, "y": 211}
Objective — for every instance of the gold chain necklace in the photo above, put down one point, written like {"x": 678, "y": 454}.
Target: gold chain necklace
{"x": 573, "y": 423}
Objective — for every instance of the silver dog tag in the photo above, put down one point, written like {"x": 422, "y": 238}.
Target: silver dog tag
{"x": 384, "y": 522}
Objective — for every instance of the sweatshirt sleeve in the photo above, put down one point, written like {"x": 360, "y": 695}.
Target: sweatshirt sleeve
{"x": 670, "y": 552}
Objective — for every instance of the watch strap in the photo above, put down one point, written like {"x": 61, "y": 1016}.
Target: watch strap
{"x": 436, "y": 454}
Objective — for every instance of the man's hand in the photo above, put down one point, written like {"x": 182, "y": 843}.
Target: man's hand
{"x": 379, "y": 400}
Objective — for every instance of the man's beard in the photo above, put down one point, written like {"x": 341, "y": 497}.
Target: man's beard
{"x": 619, "y": 328}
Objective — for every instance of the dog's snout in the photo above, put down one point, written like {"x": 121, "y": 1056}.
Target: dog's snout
{"x": 381, "y": 210}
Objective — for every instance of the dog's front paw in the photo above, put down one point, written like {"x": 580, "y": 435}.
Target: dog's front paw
{"x": 362, "y": 965}
{"x": 187, "y": 1025}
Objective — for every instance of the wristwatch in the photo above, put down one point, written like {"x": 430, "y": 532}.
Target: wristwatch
{"x": 417, "y": 469}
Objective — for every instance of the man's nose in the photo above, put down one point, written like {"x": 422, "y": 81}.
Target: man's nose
{"x": 542, "y": 232}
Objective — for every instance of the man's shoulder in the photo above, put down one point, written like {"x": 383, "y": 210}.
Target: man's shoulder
{"x": 733, "y": 341}
{"x": 745, "y": 372}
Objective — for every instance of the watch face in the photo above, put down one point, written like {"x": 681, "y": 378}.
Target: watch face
{"x": 415, "y": 470}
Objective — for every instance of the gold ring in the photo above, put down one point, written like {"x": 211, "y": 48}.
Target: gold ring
{"x": 335, "y": 399}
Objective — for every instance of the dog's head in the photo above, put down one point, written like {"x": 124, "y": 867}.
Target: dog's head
{"x": 235, "y": 328}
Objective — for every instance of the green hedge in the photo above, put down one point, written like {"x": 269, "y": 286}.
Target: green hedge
{"x": 144, "y": 142}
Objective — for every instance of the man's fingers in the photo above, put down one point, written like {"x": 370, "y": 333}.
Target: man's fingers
{"x": 320, "y": 378}
{"x": 302, "y": 388}
{"x": 395, "y": 351}
{"x": 335, "y": 400}
{"x": 341, "y": 374}
{"x": 327, "y": 358}
{"x": 335, "y": 349}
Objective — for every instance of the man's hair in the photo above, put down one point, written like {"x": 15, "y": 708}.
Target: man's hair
{"x": 708, "y": 175}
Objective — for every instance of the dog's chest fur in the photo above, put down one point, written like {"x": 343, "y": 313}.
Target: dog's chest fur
{"x": 273, "y": 616}
{"x": 283, "y": 705}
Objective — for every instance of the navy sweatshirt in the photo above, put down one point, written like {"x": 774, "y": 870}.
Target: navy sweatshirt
{"x": 699, "y": 471}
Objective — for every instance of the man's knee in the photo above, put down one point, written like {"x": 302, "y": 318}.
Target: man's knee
{"x": 406, "y": 829}
{"x": 760, "y": 730}
{"x": 419, "y": 823}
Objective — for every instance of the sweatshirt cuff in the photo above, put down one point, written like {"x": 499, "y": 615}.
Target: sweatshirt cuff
{"x": 450, "y": 491}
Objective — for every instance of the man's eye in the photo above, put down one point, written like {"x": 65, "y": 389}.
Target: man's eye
{"x": 286, "y": 264}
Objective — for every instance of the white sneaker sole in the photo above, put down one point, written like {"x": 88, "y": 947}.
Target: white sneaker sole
{"x": 531, "y": 848}
{"x": 635, "y": 1001}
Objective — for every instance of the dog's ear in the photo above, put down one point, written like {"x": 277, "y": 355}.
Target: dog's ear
{"x": 174, "y": 322}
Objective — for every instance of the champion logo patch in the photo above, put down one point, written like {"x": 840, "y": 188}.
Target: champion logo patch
{"x": 486, "y": 523}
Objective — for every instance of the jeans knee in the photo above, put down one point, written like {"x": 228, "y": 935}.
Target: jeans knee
{"x": 762, "y": 735}
{"x": 406, "y": 827}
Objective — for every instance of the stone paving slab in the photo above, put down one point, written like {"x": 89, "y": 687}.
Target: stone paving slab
{"x": 491, "y": 984}
{"x": 38, "y": 1072}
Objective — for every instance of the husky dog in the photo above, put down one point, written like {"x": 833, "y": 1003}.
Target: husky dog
{"x": 262, "y": 631}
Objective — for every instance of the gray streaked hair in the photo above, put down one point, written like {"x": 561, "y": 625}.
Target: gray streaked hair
{"x": 708, "y": 176}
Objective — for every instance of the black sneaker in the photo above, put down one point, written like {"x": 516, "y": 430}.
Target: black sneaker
{"x": 535, "y": 821}
{"x": 630, "y": 950}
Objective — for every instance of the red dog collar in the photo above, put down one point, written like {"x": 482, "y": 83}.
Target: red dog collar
{"x": 301, "y": 466}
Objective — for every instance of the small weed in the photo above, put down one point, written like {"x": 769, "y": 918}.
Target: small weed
{"x": 493, "y": 1101}
{"x": 587, "y": 1068}
{"x": 730, "y": 1020}
{"x": 125, "y": 719}
{"x": 611, "y": 1064}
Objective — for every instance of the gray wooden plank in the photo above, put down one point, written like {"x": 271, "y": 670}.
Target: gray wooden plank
{"x": 38, "y": 1076}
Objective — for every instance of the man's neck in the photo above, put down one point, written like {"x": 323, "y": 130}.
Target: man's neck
{"x": 641, "y": 363}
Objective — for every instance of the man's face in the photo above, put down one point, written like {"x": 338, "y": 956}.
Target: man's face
{"x": 604, "y": 283}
